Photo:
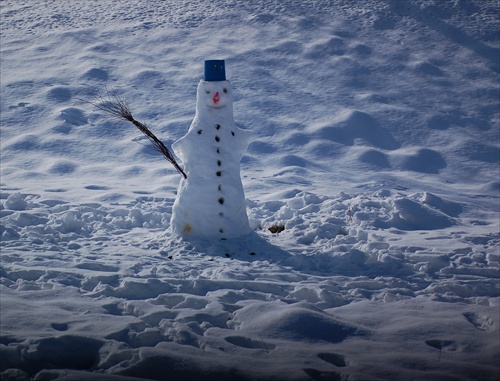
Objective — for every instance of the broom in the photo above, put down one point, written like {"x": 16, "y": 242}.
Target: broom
{"x": 120, "y": 109}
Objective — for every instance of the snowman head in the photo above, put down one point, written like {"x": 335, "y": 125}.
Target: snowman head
{"x": 215, "y": 94}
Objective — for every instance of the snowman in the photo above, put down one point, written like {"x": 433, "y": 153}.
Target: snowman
{"x": 210, "y": 202}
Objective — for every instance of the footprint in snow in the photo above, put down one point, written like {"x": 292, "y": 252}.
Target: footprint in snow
{"x": 63, "y": 167}
{"x": 96, "y": 74}
{"x": 58, "y": 94}
{"x": 74, "y": 116}
{"x": 96, "y": 187}
{"x": 114, "y": 308}
{"x": 20, "y": 105}
{"x": 443, "y": 345}
{"x": 60, "y": 326}
{"x": 334, "y": 359}
{"x": 481, "y": 322}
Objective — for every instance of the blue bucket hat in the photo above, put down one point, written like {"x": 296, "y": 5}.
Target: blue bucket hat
{"x": 215, "y": 70}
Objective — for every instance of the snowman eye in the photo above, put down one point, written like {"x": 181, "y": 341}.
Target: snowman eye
{"x": 224, "y": 89}
{"x": 207, "y": 91}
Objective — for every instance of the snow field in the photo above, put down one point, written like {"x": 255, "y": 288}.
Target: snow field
{"x": 376, "y": 164}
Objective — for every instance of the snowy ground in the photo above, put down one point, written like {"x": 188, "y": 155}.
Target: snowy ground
{"x": 378, "y": 152}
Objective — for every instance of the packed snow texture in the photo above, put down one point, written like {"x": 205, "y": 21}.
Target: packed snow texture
{"x": 210, "y": 202}
{"x": 372, "y": 190}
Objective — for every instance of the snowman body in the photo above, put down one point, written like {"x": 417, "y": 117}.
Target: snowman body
{"x": 210, "y": 202}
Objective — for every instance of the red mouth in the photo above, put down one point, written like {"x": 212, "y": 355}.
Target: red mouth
{"x": 216, "y": 98}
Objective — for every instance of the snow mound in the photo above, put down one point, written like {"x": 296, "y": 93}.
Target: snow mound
{"x": 296, "y": 322}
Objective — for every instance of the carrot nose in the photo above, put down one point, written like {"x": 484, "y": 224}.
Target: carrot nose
{"x": 216, "y": 98}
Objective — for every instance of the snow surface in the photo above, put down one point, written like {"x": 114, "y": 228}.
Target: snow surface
{"x": 377, "y": 160}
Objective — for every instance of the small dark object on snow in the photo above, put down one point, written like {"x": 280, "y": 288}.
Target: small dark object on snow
{"x": 119, "y": 108}
{"x": 276, "y": 228}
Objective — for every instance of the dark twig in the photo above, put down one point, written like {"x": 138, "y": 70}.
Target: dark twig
{"x": 119, "y": 108}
